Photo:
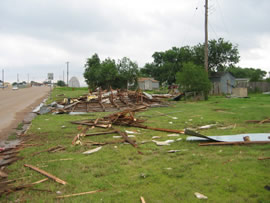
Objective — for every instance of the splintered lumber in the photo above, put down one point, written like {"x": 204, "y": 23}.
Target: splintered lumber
{"x": 9, "y": 190}
{"x": 78, "y": 194}
{"x": 46, "y": 174}
{"x": 101, "y": 133}
{"x": 263, "y": 158}
{"x": 52, "y": 149}
{"x": 258, "y": 121}
{"x": 126, "y": 138}
{"x": 158, "y": 129}
{"x": 234, "y": 143}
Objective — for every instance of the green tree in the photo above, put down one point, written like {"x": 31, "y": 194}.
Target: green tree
{"x": 92, "y": 71}
{"x": 107, "y": 73}
{"x": 128, "y": 72}
{"x": 253, "y": 74}
{"x": 167, "y": 63}
{"x": 221, "y": 55}
{"x": 193, "y": 78}
{"x": 61, "y": 83}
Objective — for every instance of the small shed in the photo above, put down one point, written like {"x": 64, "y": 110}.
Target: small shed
{"x": 148, "y": 83}
{"x": 74, "y": 82}
{"x": 222, "y": 83}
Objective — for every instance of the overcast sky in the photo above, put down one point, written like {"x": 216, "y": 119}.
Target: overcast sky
{"x": 38, "y": 37}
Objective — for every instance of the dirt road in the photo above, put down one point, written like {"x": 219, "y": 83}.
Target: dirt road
{"x": 15, "y": 104}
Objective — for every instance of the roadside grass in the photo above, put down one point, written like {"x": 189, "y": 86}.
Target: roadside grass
{"x": 223, "y": 173}
{"x": 59, "y": 93}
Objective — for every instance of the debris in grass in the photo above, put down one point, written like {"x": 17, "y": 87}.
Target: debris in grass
{"x": 163, "y": 143}
{"x": 263, "y": 158}
{"x": 206, "y": 126}
{"x": 46, "y": 174}
{"x": 78, "y": 194}
{"x": 200, "y": 196}
{"x": 142, "y": 200}
{"x": 267, "y": 187}
{"x": 259, "y": 121}
{"x": 92, "y": 150}
{"x": 173, "y": 135}
{"x": 173, "y": 151}
{"x": 156, "y": 137}
{"x": 234, "y": 143}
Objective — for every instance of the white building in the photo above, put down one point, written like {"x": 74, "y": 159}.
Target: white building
{"x": 74, "y": 82}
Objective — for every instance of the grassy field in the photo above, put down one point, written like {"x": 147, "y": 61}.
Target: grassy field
{"x": 222, "y": 173}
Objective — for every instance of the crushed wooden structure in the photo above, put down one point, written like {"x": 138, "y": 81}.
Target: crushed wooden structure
{"x": 108, "y": 101}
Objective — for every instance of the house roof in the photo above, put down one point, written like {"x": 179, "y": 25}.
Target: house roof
{"x": 144, "y": 79}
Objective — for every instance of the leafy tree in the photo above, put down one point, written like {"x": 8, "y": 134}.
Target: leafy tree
{"x": 193, "y": 78}
{"x": 128, "y": 72}
{"x": 92, "y": 71}
{"x": 167, "y": 63}
{"x": 107, "y": 73}
{"x": 254, "y": 74}
{"x": 221, "y": 55}
{"x": 61, "y": 83}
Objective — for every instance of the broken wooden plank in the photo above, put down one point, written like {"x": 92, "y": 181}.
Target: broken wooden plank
{"x": 52, "y": 149}
{"x": 46, "y": 174}
{"x": 126, "y": 138}
{"x": 234, "y": 143}
{"x": 78, "y": 194}
{"x": 263, "y": 158}
{"x": 142, "y": 200}
{"x": 101, "y": 133}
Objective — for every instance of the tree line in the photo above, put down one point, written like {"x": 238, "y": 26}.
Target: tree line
{"x": 168, "y": 66}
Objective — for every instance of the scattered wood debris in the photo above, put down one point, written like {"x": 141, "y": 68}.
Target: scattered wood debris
{"x": 46, "y": 174}
{"x": 263, "y": 158}
{"x": 52, "y": 149}
{"x": 107, "y": 100}
{"x": 258, "y": 121}
{"x": 78, "y": 194}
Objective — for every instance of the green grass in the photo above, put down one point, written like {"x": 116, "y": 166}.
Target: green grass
{"x": 59, "y": 93}
{"x": 223, "y": 173}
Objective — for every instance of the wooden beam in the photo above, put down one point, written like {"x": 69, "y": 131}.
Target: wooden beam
{"x": 46, "y": 174}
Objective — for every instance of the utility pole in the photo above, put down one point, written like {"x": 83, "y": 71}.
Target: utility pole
{"x": 206, "y": 37}
{"x": 28, "y": 78}
{"x": 17, "y": 77}
{"x": 67, "y": 72}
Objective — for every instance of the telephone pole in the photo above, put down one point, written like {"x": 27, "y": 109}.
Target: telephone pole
{"x": 206, "y": 37}
{"x": 67, "y": 72}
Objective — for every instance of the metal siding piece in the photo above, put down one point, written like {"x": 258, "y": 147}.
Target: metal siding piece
{"x": 233, "y": 138}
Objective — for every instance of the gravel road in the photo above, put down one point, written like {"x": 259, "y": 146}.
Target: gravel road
{"x": 15, "y": 104}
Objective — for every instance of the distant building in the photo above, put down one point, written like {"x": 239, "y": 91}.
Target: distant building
{"x": 74, "y": 82}
{"x": 222, "y": 83}
{"x": 148, "y": 83}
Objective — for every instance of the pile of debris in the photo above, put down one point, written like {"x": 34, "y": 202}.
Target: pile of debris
{"x": 123, "y": 118}
{"x": 108, "y": 101}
